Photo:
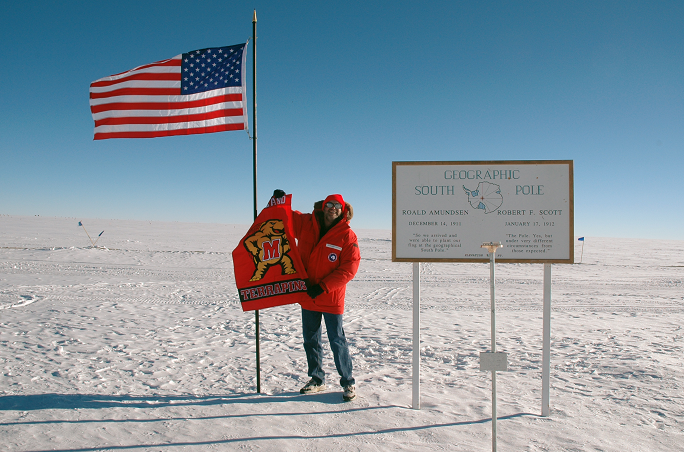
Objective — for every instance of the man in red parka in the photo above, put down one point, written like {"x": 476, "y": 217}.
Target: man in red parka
{"x": 330, "y": 253}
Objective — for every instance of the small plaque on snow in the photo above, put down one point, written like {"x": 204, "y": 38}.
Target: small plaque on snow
{"x": 494, "y": 361}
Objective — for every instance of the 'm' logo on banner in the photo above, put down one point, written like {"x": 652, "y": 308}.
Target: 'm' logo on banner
{"x": 269, "y": 247}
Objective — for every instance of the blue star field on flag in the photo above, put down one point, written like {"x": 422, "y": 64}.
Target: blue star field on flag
{"x": 212, "y": 68}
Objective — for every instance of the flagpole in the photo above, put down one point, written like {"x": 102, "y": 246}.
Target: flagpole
{"x": 254, "y": 144}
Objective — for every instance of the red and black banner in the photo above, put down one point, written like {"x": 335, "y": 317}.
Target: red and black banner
{"x": 268, "y": 269}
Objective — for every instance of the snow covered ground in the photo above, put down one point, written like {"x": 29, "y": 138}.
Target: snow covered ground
{"x": 143, "y": 346}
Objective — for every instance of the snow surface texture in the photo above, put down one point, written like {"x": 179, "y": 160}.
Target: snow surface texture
{"x": 143, "y": 346}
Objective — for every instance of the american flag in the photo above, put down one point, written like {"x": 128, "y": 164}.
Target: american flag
{"x": 196, "y": 92}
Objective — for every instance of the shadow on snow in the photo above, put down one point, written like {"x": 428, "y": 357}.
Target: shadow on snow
{"x": 33, "y": 402}
{"x": 95, "y": 401}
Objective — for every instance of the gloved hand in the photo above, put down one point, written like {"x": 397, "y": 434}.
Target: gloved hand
{"x": 278, "y": 193}
{"x": 314, "y": 291}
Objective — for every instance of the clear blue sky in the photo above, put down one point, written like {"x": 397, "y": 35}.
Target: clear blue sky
{"x": 344, "y": 89}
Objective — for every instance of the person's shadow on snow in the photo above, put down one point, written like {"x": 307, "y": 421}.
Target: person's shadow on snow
{"x": 33, "y": 402}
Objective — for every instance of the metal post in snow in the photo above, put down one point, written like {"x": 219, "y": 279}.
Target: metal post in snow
{"x": 493, "y": 322}
{"x": 98, "y": 238}
{"x": 80, "y": 223}
{"x": 546, "y": 354}
{"x": 416, "y": 335}
{"x": 492, "y": 247}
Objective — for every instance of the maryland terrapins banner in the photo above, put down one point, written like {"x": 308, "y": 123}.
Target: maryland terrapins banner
{"x": 268, "y": 269}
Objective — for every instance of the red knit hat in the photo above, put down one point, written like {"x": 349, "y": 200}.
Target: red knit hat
{"x": 337, "y": 198}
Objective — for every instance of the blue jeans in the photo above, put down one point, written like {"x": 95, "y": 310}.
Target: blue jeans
{"x": 311, "y": 326}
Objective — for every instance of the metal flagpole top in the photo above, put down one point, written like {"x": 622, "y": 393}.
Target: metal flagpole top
{"x": 492, "y": 246}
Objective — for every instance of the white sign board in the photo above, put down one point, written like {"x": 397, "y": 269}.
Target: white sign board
{"x": 444, "y": 211}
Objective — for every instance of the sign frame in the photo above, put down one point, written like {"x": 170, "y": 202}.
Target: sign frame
{"x": 568, "y": 241}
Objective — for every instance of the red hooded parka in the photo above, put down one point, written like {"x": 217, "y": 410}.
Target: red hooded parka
{"x": 331, "y": 260}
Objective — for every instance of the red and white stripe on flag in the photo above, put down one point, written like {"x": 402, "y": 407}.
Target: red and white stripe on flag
{"x": 202, "y": 91}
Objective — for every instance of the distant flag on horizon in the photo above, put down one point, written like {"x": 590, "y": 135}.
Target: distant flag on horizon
{"x": 581, "y": 239}
{"x": 202, "y": 91}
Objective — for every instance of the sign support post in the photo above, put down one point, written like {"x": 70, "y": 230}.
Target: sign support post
{"x": 493, "y": 363}
{"x": 546, "y": 354}
{"x": 416, "y": 336}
